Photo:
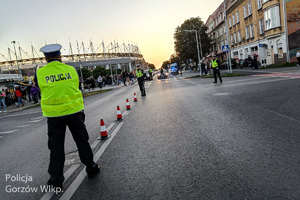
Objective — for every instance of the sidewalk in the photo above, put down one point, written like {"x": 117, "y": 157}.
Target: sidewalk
{"x": 14, "y": 108}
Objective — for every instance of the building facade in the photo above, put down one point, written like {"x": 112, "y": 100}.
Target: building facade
{"x": 216, "y": 30}
{"x": 256, "y": 27}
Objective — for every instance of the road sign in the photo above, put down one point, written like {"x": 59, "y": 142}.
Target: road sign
{"x": 260, "y": 45}
{"x": 225, "y": 48}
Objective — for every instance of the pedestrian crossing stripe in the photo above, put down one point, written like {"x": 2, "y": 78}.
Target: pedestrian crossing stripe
{"x": 287, "y": 75}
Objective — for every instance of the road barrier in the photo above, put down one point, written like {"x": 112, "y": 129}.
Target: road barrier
{"x": 103, "y": 131}
{"x": 134, "y": 97}
{"x": 127, "y": 105}
{"x": 119, "y": 115}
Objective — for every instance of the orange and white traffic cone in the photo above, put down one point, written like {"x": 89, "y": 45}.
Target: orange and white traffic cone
{"x": 103, "y": 131}
{"x": 134, "y": 97}
{"x": 119, "y": 115}
{"x": 127, "y": 105}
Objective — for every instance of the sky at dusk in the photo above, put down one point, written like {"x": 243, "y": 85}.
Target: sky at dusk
{"x": 149, "y": 24}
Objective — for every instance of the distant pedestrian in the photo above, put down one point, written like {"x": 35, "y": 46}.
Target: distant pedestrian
{"x": 203, "y": 70}
{"x": 190, "y": 69}
{"x": 215, "y": 63}
{"x": 92, "y": 81}
{"x": 7, "y": 97}
{"x": 180, "y": 72}
{"x": 298, "y": 57}
{"x": 2, "y": 101}
{"x": 23, "y": 89}
{"x": 100, "y": 81}
{"x": 35, "y": 93}
{"x": 28, "y": 88}
{"x": 88, "y": 83}
{"x": 250, "y": 62}
{"x": 18, "y": 93}
{"x": 255, "y": 62}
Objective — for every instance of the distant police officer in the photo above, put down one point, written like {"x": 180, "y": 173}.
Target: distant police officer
{"x": 140, "y": 77}
{"x": 150, "y": 73}
{"x": 215, "y": 63}
{"x": 62, "y": 104}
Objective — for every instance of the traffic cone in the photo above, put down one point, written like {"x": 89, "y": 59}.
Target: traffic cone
{"x": 134, "y": 97}
{"x": 127, "y": 105}
{"x": 119, "y": 115}
{"x": 103, "y": 131}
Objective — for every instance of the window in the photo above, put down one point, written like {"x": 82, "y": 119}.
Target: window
{"x": 264, "y": 1}
{"x": 237, "y": 17}
{"x": 259, "y": 4}
{"x": 231, "y": 39}
{"x": 220, "y": 18}
{"x": 229, "y": 22}
{"x": 217, "y": 34}
{"x": 233, "y": 20}
{"x": 224, "y": 29}
{"x": 261, "y": 26}
{"x": 247, "y": 32}
{"x": 249, "y": 8}
{"x": 272, "y": 18}
{"x": 245, "y": 11}
{"x": 251, "y": 31}
{"x": 239, "y": 36}
{"x": 226, "y": 42}
{"x": 220, "y": 31}
{"x": 235, "y": 41}
{"x": 218, "y": 47}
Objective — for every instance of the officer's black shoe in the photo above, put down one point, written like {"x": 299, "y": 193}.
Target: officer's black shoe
{"x": 215, "y": 82}
{"x": 94, "y": 171}
{"x": 55, "y": 184}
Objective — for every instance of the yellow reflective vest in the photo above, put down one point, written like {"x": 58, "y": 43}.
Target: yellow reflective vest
{"x": 214, "y": 63}
{"x": 150, "y": 70}
{"x": 139, "y": 73}
{"x": 59, "y": 86}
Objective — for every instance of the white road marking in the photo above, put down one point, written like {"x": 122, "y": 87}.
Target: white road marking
{"x": 35, "y": 121}
{"x": 8, "y": 132}
{"x": 126, "y": 112}
{"x": 97, "y": 140}
{"x": 7, "y": 116}
{"x": 1, "y": 136}
{"x": 75, "y": 184}
{"x": 67, "y": 174}
{"x": 23, "y": 126}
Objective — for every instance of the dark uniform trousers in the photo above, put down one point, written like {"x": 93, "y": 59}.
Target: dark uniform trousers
{"x": 141, "y": 84}
{"x": 56, "y": 140}
{"x": 217, "y": 72}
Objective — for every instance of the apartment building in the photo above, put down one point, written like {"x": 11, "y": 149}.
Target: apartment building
{"x": 256, "y": 27}
{"x": 216, "y": 30}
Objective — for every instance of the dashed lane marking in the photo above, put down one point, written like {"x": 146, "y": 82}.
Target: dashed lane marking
{"x": 8, "y": 115}
{"x": 8, "y": 132}
{"x": 75, "y": 184}
{"x": 67, "y": 174}
{"x": 126, "y": 112}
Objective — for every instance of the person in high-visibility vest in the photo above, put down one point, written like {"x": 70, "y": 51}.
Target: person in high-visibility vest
{"x": 62, "y": 104}
{"x": 140, "y": 77}
{"x": 150, "y": 74}
{"x": 215, "y": 63}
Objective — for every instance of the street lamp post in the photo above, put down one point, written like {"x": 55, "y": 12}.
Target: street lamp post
{"x": 197, "y": 49}
{"x": 16, "y": 56}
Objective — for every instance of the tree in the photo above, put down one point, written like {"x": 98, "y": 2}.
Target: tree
{"x": 99, "y": 70}
{"x": 185, "y": 42}
{"x": 151, "y": 66}
{"x": 85, "y": 73}
{"x": 165, "y": 64}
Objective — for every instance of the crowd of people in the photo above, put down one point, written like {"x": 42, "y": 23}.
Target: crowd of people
{"x": 126, "y": 78}
{"x": 19, "y": 95}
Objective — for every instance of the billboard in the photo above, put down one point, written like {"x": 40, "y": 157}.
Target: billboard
{"x": 293, "y": 27}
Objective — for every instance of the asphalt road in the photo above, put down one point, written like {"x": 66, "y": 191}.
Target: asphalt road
{"x": 187, "y": 139}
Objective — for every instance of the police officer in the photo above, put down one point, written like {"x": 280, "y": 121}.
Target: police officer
{"x": 140, "y": 77}
{"x": 62, "y": 104}
{"x": 215, "y": 63}
{"x": 150, "y": 73}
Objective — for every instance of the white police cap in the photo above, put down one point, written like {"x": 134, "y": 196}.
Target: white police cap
{"x": 138, "y": 65}
{"x": 51, "y": 49}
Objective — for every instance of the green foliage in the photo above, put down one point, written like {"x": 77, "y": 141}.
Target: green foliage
{"x": 165, "y": 64}
{"x": 85, "y": 73}
{"x": 185, "y": 43}
{"x": 99, "y": 70}
{"x": 151, "y": 66}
